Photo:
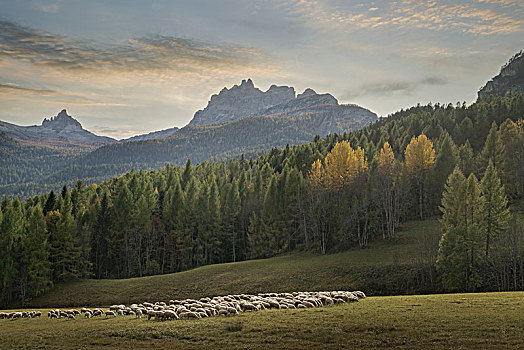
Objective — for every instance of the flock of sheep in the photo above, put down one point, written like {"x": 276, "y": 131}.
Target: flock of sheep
{"x": 204, "y": 307}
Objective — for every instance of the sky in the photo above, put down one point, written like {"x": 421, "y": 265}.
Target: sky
{"x": 127, "y": 67}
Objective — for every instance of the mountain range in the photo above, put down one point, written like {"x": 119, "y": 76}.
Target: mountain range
{"x": 239, "y": 120}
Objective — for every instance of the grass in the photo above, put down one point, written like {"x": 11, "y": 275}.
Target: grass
{"x": 349, "y": 270}
{"x": 479, "y": 321}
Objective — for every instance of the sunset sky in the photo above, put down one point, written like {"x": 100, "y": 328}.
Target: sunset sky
{"x": 128, "y": 67}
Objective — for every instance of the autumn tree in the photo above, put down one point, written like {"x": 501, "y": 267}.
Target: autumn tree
{"x": 389, "y": 189}
{"x": 343, "y": 165}
{"x": 420, "y": 157}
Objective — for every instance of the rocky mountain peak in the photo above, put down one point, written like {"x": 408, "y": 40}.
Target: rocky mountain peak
{"x": 509, "y": 80}
{"x": 61, "y": 121}
{"x": 307, "y": 92}
{"x": 241, "y": 101}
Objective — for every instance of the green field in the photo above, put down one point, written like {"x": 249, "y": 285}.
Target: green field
{"x": 476, "y": 321}
{"x": 382, "y": 268}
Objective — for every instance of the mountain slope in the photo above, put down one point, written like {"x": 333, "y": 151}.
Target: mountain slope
{"x": 153, "y": 135}
{"x": 61, "y": 131}
{"x": 208, "y": 142}
{"x": 509, "y": 80}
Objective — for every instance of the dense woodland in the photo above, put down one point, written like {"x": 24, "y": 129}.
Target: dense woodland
{"x": 333, "y": 193}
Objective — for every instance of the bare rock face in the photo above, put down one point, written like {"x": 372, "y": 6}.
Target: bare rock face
{"x": 61, "y": 121}
{"x": 510, "y": 79}
{"x": 245, "y": 100}
{"x": 241, "y": 101}
{"x": 61, "y": 128}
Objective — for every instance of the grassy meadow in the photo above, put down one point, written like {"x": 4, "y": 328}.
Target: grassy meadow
{"x": 477, "y": 321}
{"x": 384, "y": 265}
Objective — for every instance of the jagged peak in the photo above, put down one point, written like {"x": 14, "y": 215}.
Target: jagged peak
{"x": 307, "y": 92}
{"x": 62, "y": 119}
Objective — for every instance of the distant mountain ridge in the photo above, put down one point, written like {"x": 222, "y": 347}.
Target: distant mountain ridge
{"x": 62, "y": 131}
{"x": 153, "y": 135}
{"x": 245, "y": 100}
{"x": 241, "y": 101}
{"x": 509, "y": 80}
{"x": 240, "y": 120}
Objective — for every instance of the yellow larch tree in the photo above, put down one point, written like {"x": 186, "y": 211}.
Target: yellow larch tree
{"x": 316, "y": 174}
{"x": 343, "y": 165}
{"x": 386, "y": 159}
{"x": 420, "y": 157}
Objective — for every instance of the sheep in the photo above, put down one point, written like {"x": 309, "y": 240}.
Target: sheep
{"x": 170, "y": 315}
{"x": 360, "y": 294}
{"x": 138, "y": 313}
{"x": 97, "y": 312}
{"x": 110, "y": 313}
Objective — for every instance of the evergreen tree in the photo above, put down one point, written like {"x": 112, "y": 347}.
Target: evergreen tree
{"x": 466, "y": 158}
{"x": 65, "y": 255}
{"x": 50, "y": 203}
{"x": 445, "y": 162}
{"x": 460, "y": 245}
{"x": 187, "y": 175}
{"x": 230, "y": 218}
{"x": 494, "y": 212}
{"x": 36, "y": 251}
{"x": 100, "y": 239}
{"x": 10, "y": 234}
{"x": 493, "y": 150}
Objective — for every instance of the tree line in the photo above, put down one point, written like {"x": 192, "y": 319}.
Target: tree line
{"x": 330, "y": 194}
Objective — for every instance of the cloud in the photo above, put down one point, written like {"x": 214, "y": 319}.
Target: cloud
{"x": 481, "y": 17}
{"x": 46, "y": 96}
{"x": 149, "y": 53}
{"x": 46, "y": 6}
{"x": 388, "y": 88}
{"x": 115, "y": 133}
{"x": 13, "y": 87}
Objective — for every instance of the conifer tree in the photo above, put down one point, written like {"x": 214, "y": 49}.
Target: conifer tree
{"x": 100, "y": 239}
{"x": 230, "y": 217}
{"x": 36, "y": 251}
{"x": 50, "y": 203}
{"x": 493, "y": 150}
{"x": 65, "y": 255}
{"x": 10, "y": 233}
{"x": 445, "y": 162}
{"x": 466, "y": 158}
{"x": 461, "y": 243}
{"x": 494, "y": 212}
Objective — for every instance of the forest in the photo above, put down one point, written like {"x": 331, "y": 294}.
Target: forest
{"x": 334, "y": 193}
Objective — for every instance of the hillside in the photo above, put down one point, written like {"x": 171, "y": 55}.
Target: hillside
{"x": 153, "y": 135}
{"x": 395, "y": 261}
{"x": 509, "y": 81}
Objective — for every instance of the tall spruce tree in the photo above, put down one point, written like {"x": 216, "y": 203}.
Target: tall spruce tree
{"x": 461, "y": 243}
{"x": 36, "y": 251}
{"x": 493, "y": 150}
{"x": 10, "y": 233}
{"x": 494, "y": 212}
